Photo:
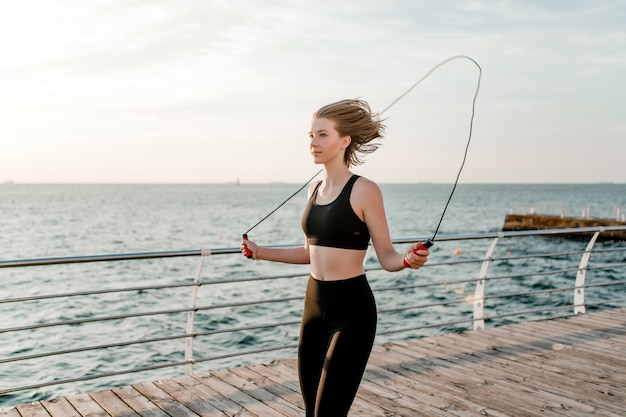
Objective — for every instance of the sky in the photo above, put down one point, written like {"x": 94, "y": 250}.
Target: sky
{"x": 214, "y": 91}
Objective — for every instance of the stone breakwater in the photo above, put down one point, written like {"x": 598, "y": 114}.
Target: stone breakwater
{"x": 514, "y": 222}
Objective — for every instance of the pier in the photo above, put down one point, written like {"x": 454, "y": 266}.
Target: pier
{"x": 516, "y": 222}
{"x": 517, "y": 323}
{"x": 572, "y": 366}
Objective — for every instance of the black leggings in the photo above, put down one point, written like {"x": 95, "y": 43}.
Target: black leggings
{"x": 336, "y": 338}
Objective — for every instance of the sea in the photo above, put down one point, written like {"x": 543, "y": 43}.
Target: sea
{"x": 61, "y": 220}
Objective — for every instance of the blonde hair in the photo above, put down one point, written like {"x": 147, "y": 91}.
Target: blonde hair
{"x": 354, "y": 118}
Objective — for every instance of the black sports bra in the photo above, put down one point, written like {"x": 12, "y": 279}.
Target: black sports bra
{"x": 335, "y": 225}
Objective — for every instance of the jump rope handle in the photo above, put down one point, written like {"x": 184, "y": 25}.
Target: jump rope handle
{"x": 424, "y": 246}
{"x": 247, "y": 252}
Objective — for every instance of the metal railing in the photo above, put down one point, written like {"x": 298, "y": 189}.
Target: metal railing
{"x": 508, "y": 282}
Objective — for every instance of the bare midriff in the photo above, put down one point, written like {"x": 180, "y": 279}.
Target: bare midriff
{"x": 334, "y": 264}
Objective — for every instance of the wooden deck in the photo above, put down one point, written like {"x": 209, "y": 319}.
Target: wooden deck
{"x": 565, "y": 367}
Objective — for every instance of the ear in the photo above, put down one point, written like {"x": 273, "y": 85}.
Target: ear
{"x": 346, "y": 140}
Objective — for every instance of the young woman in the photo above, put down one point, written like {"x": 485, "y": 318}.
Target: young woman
{"x": 343, "y": 213}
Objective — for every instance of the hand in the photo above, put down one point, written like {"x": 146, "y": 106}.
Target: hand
{"x": 249, "y": 247}
{"x": 415, "y": 260}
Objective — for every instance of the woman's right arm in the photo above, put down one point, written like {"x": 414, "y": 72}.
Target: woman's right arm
{"x": 296, "y": 255}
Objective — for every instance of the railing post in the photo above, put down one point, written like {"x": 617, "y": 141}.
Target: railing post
{"x": 479, "y": 293}
{"x": 579, "y": 288}
{"x": 191, "y": 315}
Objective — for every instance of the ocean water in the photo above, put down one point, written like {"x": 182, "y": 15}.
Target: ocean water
{"x": 61, "y": 220}
{"x": 39, "y": 221}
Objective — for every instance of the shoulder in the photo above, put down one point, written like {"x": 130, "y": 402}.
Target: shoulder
{"x": 366, "y": 191}
{"x": 365, "y": 185}
{"x": 312, "y": 188}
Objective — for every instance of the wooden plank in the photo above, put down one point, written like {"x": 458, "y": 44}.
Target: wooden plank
{"x": 273, "y": 382}
{"x": 86, "y": 406}
{"x": 224, "y": 404}
{"x": 112, "y": 404}
{"x": 260, "y": 392}
{"x": 32, "y": 410}
{"x": 500, "y": 394}
{"x": 163, "y": 401}
{"x": 584, "y": 368}
{"x": 9, "y": 412}
{"x": 279, "y": 372}
{"x": 430, "y": 382}
{"x": 359, "y": 406}
{"x": 242, "y": 398}
{"x": 570, "y": 367}
{"x": 490, "y": 385}
{"x": 532, "y": 371}
{"x": 410, "y": 388}
{"x": 594, "y": 339}
{"x": 391, "y": 400}
{"x": 492, "y": 358}
{"x": 191, "y": 400}
{"x": 138, "y": 402}
{"x": 273, "y": 373}
{"x": 568, "y": 331}
{"x": 508, "y": 371}
{"x": 60, "y": 407}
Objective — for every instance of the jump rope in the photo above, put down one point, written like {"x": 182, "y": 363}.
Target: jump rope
{"x": 429, "y": 242}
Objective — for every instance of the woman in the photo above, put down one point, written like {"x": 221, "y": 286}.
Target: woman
{"x": 343, "y": 213}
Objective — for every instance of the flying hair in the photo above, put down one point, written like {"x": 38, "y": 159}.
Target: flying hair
{"x": 354, "y": 118}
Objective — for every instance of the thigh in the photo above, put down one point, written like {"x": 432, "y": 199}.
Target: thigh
{"x": 313, "y": 343}
{"x": 345, "y": 363}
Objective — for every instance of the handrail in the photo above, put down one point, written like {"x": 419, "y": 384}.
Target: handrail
{"x": 224, "y": 251}
{"x": 396, "y": 301}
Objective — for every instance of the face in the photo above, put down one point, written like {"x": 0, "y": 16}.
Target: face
{"x": 326, "y": 143}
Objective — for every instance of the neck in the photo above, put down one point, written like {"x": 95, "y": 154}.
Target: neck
{"x": 336, "y": 173}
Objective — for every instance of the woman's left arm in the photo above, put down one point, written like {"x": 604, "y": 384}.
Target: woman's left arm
{"x": 368, "y": 201}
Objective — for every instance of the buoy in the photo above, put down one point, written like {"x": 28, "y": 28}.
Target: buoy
{"x": 457, "y": 252}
